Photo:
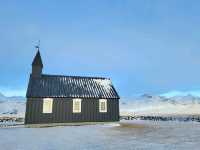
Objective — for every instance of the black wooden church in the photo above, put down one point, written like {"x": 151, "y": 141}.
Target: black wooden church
{"x": 67, "y": 99}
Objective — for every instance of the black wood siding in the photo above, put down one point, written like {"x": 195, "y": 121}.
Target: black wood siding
{"x": 63, "y": 111}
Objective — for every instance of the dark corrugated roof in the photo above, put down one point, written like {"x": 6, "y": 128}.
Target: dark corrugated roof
{"x": 37, "y": 61}
{"x": 70, "y": 86}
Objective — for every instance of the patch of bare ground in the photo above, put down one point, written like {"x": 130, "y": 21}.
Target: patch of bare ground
{"x": 131, "y": 126}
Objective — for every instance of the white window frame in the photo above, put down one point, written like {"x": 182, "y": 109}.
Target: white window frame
{"x": 100, "y": 103}
{"x": 75, "y": 100}
{"x": 47, "y": 105}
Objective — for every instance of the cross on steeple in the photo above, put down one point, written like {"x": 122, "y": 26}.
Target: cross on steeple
{"x": 38, "y": 45}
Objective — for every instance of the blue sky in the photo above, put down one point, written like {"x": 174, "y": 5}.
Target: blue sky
{"x": 144, "y": 46}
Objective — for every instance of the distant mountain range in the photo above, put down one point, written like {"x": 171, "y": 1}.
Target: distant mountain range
{"x": 145, "y": 104}
{"x": 184, "y": 100}
{"x": 14, "y": 105}
{"x": 12, "y": 98}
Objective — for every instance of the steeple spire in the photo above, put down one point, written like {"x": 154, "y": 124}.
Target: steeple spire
{"x": 37, "y": 64}
{"x": 37, "y": 61}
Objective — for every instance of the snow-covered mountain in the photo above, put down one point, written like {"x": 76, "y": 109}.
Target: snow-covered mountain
{"x": 14, "y": 105}
{"x": 160, "y": 105}
{"x": 12, "y": 98}
{"x": 145, "y": 104}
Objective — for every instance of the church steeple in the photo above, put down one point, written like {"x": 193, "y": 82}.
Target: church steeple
{"x": 37, "y": 61}
{"x": 37, "y": 64}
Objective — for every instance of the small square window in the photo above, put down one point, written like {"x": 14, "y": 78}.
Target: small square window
{"x": 77, "y": 105}
{"x": 102, "y": 105}
{"x": 47, "y": 105}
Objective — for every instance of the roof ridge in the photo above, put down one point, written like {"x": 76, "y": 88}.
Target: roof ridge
{"x": 89, "y": 77}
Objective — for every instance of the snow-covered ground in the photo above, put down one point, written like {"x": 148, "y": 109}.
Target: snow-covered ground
{"x": 131, "y": 135}
{"x": 137, "y": 134}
